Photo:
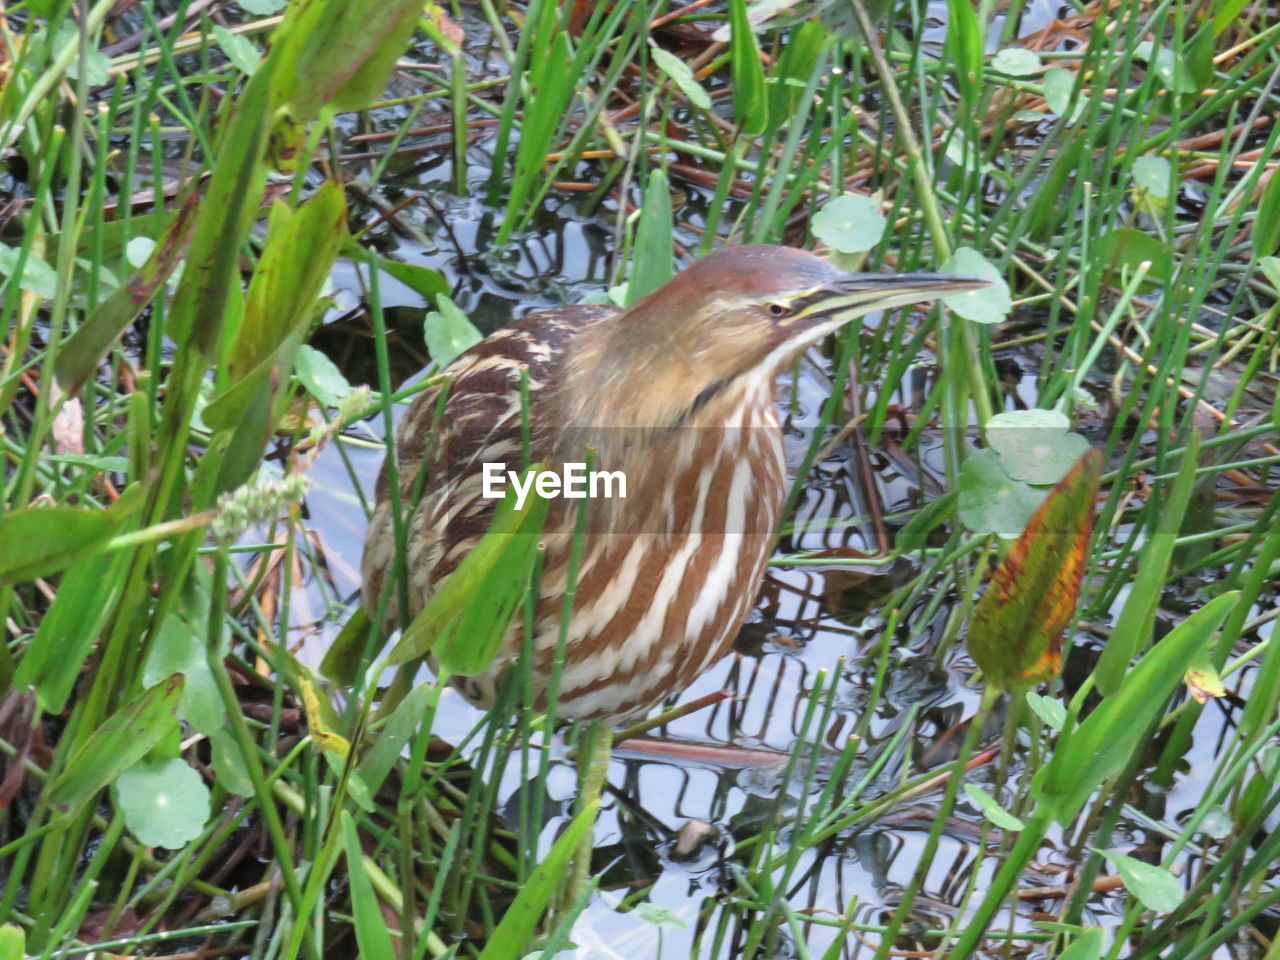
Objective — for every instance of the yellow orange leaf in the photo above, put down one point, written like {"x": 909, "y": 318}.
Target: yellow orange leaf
{"x": 1015, "y": 635}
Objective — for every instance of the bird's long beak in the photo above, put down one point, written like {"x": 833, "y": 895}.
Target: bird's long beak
{"x": 853, "y": 295}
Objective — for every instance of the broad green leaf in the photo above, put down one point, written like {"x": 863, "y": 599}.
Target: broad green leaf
{"x": 239, "y": 50}
{"x": 850, "y": 223}
{"x": 1034, "y": 445}
{"x": 296, "y": 259}
{"x": 914, "y": 535}
{"x": 63, "y": 641}
{"x": 1017, "y": 62}
{"x": 991, "y": 501}
{"x": 371, "y": 927}
{"x": 226, "y": 214}
{"x": 1168, "y": 66}
{"x": 37, "y": 276}
{"x": 963, "y": 46}
{"x": 320, "y": 376}
{"x": 1225, "y": 13}
{"x": 682, "y": 77}
{"x": 262, "y": 8}
{"x": 1124, "y": 249}
{"x": 394, "y": 736}
{"x": 96, "y": 463}
{"x": 1270, "y": 267}
{"x": 124, "y": 738}
{"x": 423, "y": 281}
{"x": 342, "y": 660}
{"x": 651, "y": 264}
{"x": 991, "y": 808}
{"x": 1102, "y": 745}
{"x": 228, "y": 763}
{"x": 337, "y": 56}
{"x": 82, "y": 353}
{"x": 1015, "y": 634}
{"x": 991, "y": 304}
{"x": 510, "y": 939}
{"x": 1088, "y": 946}
{"x": 1058, "y": 84}
{"x": 1051, "y": 711}
{"x": 181, "y": 648}
{"x": 465, "y": 621}
{"x": 788, "y": 78}
{"x": 1265, "y": 233}
{"x": 550, "y": 85}
{"x": 449, "y": 332}
{"x": 1133, "y": 628}
{"x": 1151, "y": 173}
{"x": 1155, "y": 887}
{"x": 750, "y": 109}
{"x": 94, "y": 61}
{"x": 165, "y": 803}
{"x": 39, "y": 541}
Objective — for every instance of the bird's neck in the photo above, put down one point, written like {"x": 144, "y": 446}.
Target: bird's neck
{"x": 627, "y": 372}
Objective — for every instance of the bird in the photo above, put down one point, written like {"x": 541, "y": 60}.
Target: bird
{"x": 677, "y": 392}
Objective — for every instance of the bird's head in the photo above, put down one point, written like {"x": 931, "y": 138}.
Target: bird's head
{"x": 741, "y": 312}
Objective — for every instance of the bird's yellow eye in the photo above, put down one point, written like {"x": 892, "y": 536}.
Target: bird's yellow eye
{"x": 777, "y": 309}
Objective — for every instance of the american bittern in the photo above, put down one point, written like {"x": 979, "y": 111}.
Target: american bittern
{"x": 677, "y": 392}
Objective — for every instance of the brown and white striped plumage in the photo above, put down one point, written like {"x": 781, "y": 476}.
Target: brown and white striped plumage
{"x": 678, "y": 391}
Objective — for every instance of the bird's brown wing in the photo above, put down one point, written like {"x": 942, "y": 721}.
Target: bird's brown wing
{"x": 443, "y": 443}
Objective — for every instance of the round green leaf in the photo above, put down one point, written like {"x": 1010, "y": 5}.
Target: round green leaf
{"x": 988, "y": 305}
{"x": 990, "y": 501}
{"x": 1087, "y": 947}
{"x": 1168, "y": 66}
{"x": 1151, "y": 173}
{"x": 178, "y": 648}
{"x": 1155, "y": 887}
{"x": 850, "y": 224}
{"x": 449, "y": 332}
{"x": 37, "y": 276}
{"x": 1058, "y": 84}
{"x": 320, "y": 376}
{"x": 1034, "y": 445}
{"x": 1017, "y": 62}
{"x": 228, "y": 763}
{"x": 991, "y": 808}
{"x": 660, "y": 917}
{"x": 95, "y": 61}
{"x": 1121, "y": 251}
{"x": 165, "y": 803}
{"x": 1217, "y": 823}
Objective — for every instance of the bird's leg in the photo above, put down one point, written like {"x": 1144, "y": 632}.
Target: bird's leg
{"x": 593, "y": 769}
